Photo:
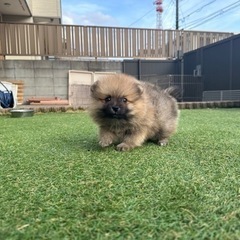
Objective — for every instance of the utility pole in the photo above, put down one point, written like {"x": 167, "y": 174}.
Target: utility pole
{"x": 177, "y": 13}
{"x": 181, "y": 55}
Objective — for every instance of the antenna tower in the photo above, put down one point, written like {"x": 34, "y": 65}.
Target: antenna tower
{"x": 159, "y": 11}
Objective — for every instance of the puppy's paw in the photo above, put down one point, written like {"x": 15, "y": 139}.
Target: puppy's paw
{"x": 123, "y": 147}
{"x": 105, "y": 143}
{"x": 163, "y": 142}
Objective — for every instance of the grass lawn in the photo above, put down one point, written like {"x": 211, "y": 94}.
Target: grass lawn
{"x": 57, "y": 183}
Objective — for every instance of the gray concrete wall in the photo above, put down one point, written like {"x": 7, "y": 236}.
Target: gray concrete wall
{"x": 49, "y": 78}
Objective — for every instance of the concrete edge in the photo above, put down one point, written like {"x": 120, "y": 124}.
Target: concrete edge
{"x": 181, "y": 105}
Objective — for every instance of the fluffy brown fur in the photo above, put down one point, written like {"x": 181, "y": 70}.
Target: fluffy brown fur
{"x": 130, "y": 112}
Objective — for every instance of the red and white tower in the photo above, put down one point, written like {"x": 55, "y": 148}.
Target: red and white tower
{"x": 159, "y": 11}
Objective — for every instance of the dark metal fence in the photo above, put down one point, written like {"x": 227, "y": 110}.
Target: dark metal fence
{"x": 166, "y": 74}
{"x": 224, "y": 95}
{"x": 210, "y": 68}
{"x": 219, "y": 64}
{"x": 190, "y": 87}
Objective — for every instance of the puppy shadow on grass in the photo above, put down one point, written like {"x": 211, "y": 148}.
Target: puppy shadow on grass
{"x": 76, "y": 142}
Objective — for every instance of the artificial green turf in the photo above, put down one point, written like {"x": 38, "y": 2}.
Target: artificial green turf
{"x": 57, "y": 183}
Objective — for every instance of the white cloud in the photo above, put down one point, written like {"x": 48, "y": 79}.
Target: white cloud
{"x": 97, "y": 18}
{"x": 67, "y": 20}
{"x": 87, "y": 14}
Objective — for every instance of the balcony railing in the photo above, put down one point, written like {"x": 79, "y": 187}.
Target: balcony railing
{"x": 105, "y": 42}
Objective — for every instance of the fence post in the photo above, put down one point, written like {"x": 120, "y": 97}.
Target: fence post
{"x": 139, "y": 69}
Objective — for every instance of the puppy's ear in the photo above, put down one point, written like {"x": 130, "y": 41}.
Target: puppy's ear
{"x": 94, "y": 87}
{"x": 135, "y": 92}
{"x": 140, "y": 89}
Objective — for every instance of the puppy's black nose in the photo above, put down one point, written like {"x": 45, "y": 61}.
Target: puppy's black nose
{"x": 115, "y": 108}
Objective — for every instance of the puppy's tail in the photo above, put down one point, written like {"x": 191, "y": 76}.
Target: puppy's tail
{"x": 174, "y": 91}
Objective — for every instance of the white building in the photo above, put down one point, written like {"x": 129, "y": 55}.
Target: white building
{"x": 31, "y": 11}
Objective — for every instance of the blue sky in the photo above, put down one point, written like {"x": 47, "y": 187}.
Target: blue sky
{"x": 208, "y": 15}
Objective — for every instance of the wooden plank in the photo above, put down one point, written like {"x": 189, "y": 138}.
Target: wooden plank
{"x": 102, "y": 42}
{"x": 198, "y": 43}
{"x": 68, "y": 40}
{"x": 94, "y": 42}
{"x": 204, "y": 39}
{"x": 126, "y": 40}
{"x": 76, "y": 42}
{"x": 110, "y": 42}
{"x": 31, "y": 43}
{"x": 164, "y": 44}
{"x": 59, "y": 41}
{"x": 118, "y": 43}
{"x": 39, "y": 99}
{"x": 22, "y": 40}
{"x": 184, "y": 41}
{"x": 36, "y": 40}
{"x": 8, "y": 37}
{"x": 41, "y": 39}
{"x": 211, "y": 38}
{"x": 85, "y": 37}
{"x": 134, "y": 43}
{"x": 3, "y": 49}
{"x": 81, "y": 40}
{"x": 177, "y": 39}
{"x": 114, "y": 42}
{"x": 13, "y": 40}
{"x": 149, "y": 42}
{"x": 48, "y": 40}
{"x": 191, "y": 42}
{"x": 141, "y": 51}
{"x": 106, "y": 33}
{"x": 36, "y": 36}
{"x": 170, "y": 43}
{"x": 144, "y": 43}
{"x": 157, "y": 43}
{"x": 53, "y": 102}
{"x": 64, "y": 42}
{"x": 27, "y": 39}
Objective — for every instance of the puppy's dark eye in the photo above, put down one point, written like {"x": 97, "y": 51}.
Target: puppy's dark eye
{"x": 124, "y": 100}
{"x": 108, "y": 99}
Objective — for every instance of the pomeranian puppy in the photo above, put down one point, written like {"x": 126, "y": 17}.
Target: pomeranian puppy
{"x": 130, "y": 112}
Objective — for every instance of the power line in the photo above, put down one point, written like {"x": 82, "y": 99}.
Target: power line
{"x": 164, "y": 15}
{"x": 169, "y": 11}
{"x": 223, "y": 12}
{"x": 197, "y": 10}
{"x": 166, "y": 10}
{"x": 209, "y": 17}
{"x": 192, "y": 8}
{"x": 196, "y": 22}
{"x": 141, "y": 17}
